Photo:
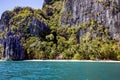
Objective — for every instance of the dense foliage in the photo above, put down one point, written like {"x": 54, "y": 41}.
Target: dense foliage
{"x": 50, "y": 43}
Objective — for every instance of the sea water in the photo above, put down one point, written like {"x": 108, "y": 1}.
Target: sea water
{"x": 35, "y": 70}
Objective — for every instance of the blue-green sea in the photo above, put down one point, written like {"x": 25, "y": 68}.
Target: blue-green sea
{"x": 28, "y": 70}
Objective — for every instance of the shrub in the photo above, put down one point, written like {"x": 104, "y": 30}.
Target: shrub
{"x": 78, "y": 57}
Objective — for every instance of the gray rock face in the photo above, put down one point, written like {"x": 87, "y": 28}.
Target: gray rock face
{"x": 47, "y": 2}
{"x": 1, "y": 26}
{"x": 5, "y": 18}
{"x": 28, "y": 26}
{"x": 38, "y": 28}
{"x": 12, "y": 48}
{"x": 76, "y": 12}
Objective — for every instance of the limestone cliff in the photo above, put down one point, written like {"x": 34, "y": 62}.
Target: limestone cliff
{"x": 12, "y": 47}
{"x": 74, "y": 29}
{"x": 17, "y": 25}
{"x": 106, "y": 12}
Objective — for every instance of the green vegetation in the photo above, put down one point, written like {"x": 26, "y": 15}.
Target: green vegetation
{"x": 89, "y": 41}
{"x": 89, "y": 47}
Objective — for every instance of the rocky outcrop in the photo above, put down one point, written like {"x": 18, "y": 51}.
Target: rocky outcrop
{"x": 16, "y": 25}
{"x": 93, "y": 19}
{"x": 50, "y": 2}
{"x": 107, "y": 12}
{"x": 38, "y": 28}
{"x": 12, "y": 47}
{"x": 47, "y": 1}
{"x": 1, "y": 26}
{"x": 6, "y": 17}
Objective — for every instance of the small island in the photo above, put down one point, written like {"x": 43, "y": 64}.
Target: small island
{"x": 60, "y": 40}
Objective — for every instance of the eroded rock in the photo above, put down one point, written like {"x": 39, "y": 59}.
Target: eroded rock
{"x": 76, "y": 12}
{"x": 12, "y": 47}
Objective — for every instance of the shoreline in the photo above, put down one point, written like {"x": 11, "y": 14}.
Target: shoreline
{"x": 74, "y": 61}
{"x": 35, "y": 60}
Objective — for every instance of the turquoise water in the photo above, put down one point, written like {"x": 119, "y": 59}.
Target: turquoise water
{"x": 27, "y": 70}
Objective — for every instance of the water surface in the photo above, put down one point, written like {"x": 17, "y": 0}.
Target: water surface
{"x": 27, "y": 70}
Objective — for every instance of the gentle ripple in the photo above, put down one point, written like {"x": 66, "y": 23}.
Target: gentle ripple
{"x": 27, "y": 70}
